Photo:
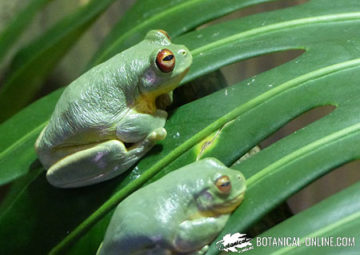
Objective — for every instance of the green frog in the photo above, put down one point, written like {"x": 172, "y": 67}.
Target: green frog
{"x": 112, "y": 115}
{"x": 181, "y": 213}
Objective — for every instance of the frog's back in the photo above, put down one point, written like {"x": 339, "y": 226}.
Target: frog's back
{"x": 127, "y": 235}
{"x": 141, "y": 222}
{"x": 87, "y": 109}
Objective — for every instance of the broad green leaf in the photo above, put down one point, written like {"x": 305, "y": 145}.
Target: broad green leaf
{"x": 198, "y": 88}
{"x": 337, "y": 217}
{"x": 17, "y": 25}
{"x": 161, "y": 14}
{"x": 18, "y": 136}
{"x": 234, "y": 119}
{"x": 33, "y": 63}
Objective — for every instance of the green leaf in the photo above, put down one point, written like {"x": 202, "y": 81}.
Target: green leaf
{"x": 160, "y": 14}
{"x": 22, "y": 19}
{"x": 18, "y": 138}
{"x": 336, "y": 217}
{"x": 200, "y": 87}
{"x": 229, "y": 123}
{"x": 33, "y": 63}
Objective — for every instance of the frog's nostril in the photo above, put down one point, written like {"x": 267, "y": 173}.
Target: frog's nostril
{"x": 182, "y": 52}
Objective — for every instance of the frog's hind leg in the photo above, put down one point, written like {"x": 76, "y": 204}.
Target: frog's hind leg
{"x": 101, "y": 162}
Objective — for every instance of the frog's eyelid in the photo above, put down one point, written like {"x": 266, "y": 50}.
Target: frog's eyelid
{"x": 165, "y": 33}
{"x": 221, "y": 177}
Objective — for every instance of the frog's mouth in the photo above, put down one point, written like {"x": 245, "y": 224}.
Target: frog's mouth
{"x": 229, "y": 206}
{"x": 223, "y": 208}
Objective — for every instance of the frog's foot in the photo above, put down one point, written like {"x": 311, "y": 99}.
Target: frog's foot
{"x": 157, "y": 135}
{"x": 197, "y": 233}
{"x": 136, "y": 126}
{"x": 101, "y": 162}
{"x": 145, "y": 145}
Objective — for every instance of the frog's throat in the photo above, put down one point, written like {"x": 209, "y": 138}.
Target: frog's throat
{"x": 146, "y": 102}
{"x": 230, "y": 206}
{"x": 225, "y": 208}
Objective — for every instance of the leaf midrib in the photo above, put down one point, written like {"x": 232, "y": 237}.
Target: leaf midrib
{"x": 276, "y": 27}
{"x": 309, "y": 148}
{"x": 20, "y": 141}
{"x": 322, "y": 231}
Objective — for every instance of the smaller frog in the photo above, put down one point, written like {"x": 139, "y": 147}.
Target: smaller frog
{"x": 112, "y": 115}
{"x": 181, "y": 213}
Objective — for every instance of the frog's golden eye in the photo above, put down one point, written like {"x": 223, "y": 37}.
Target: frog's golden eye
{"x": 165, "y": 60}
{"x": 164, "y": 32}
{"x": 223, "y": 184}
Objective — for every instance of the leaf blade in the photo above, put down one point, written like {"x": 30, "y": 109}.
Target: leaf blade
{"x": 333, "y": 224}
{"x": 160, "y": 14}
{"x": 13, "y": 31}
{"x": 26, "y": 76}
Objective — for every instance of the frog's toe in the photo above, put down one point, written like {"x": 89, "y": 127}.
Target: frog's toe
{"x": 204, "y": 250}
{"x": 158, "y": 134}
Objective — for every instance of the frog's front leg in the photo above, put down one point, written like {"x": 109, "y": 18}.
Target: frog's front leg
{"x": 101, "y": 162}
{"x": 196, "y": 234}
{"x": 136, "y": 126}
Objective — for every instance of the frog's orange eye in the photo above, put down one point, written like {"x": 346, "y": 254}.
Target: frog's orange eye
{"x": 164, "y": 32}
{"x": 165, "y": 60}
{"x": 223, "y": 184}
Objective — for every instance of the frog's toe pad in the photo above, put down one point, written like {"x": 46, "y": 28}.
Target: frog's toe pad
{"x": 204, "y": 250}
{"x": 158, "y": 134}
